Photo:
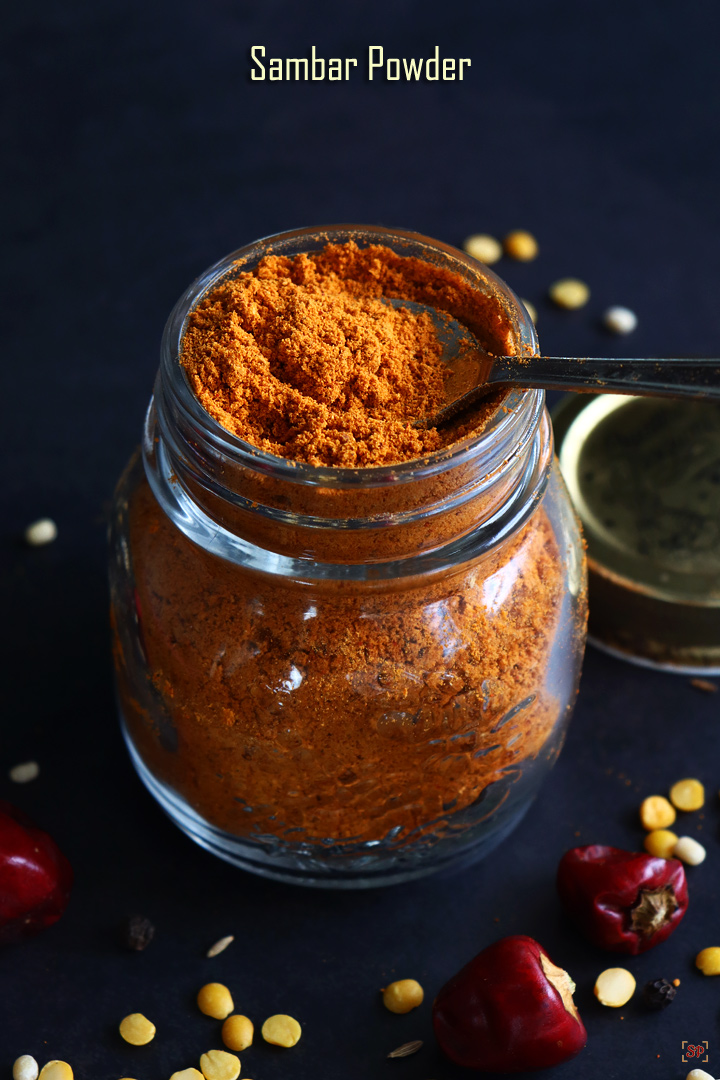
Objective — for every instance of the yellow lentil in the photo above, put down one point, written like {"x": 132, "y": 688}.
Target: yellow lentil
{"x": 569, "y": 293}
{"x": 403, "y": 995}
{"x": 661, "y": 842}
{"x": 521, "y": 245}
{"x": 219, "y": 1065}
{"x": 215, "y": 1000}
{"x": 281, "y": 1030}
{"x": 237, "y": 1032}
{"x": 687, "y": 794}
{"x": 137, "y": 1030}
{"x": 656, "y": 813}
{"x": 187, "y": 1074}
{"x": 708, "y": 960}
{"x": 614, "y": 987}
{"x": 484, "y": 248}
{"x": 56, "y": 1070}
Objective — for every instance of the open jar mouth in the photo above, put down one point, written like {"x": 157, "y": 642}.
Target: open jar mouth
{"x": 498, "y": 435}
{"x": 250, "y": 506}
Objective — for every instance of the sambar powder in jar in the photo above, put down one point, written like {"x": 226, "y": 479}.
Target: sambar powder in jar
{"x": 357, "y": 712}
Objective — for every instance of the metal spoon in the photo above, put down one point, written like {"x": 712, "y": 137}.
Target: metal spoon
{"x": 473, "y": 372}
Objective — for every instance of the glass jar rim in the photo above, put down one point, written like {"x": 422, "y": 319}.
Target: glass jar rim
{"x": 240, "y": 451}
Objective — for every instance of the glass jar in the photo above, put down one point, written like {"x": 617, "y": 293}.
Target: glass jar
{"x": 345, "y": 676}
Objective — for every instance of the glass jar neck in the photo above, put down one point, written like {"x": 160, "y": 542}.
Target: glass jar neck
{"x": 293, "y": 519}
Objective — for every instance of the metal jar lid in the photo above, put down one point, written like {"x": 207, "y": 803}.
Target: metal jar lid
{"x": 644, "y": 476}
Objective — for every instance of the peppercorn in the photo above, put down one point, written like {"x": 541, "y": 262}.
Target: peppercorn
{"x": 658, "y": 993}
{"x": 139, "y": 932}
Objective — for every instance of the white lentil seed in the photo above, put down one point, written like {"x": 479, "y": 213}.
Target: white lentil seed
{"x": 42, "y": 531}
{"x": 25, "y": 1068}
{"x": 620, "y": 320}
{"x": 689, "y": 851}
{"x": 698, "y": 1074}
{"x": 484, "y": 248}
{"x": 221, "y": 945}
{"x": 24, "y": 772}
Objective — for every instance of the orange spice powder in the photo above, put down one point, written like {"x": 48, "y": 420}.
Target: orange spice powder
{"x": 305, "y": 357}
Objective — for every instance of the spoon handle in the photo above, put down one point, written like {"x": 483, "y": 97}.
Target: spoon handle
{"x": 665, "y": 378}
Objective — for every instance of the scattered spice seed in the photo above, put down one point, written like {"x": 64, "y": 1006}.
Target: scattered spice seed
{"x": 43, "y": 531}
{"x": 56, "y": 1070}
{"x": 281, "y": 1030}
{"x": 219, "y": 1065}
{"x": 614, "y": 987}
{"x": 620, "y": 320}
{"x": 660, "y": 842}
{"x": 656, "y": 813}
{"x": 215, "y": 1000}
{"x": 484, "y": 248}
{"x": 237, "y": 1032}
{"x": 521, "y": 245}
{"x": 689, "y": 851}
{"x": 708, "y": 960}
{"x": 705, "y": 685}
{"x": 569, "y": 293}
{"x": 221, "y": 945}
{"x": 658, "y": 993}
{"x": 24, "y": 772}
{"x": 403, "y": 995}
{"x": 406, "y": 1049}
{"x": 137, "y": 1030}
{"x": 25, "y": 1068}
{"x": 139, "y": 932}
{"x": 687, "y": 794}
{"x": 676, "y": 982}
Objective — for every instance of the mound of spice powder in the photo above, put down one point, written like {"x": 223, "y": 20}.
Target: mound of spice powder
{"x": 304, "y": 357}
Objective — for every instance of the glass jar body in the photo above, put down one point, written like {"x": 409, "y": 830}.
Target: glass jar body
{"x": 353, "y": 732}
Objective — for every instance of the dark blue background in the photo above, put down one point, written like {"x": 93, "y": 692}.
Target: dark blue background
{"x": 138, "y": 151}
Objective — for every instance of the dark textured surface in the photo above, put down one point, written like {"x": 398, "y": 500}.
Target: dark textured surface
{"x": 137, "y": 151}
